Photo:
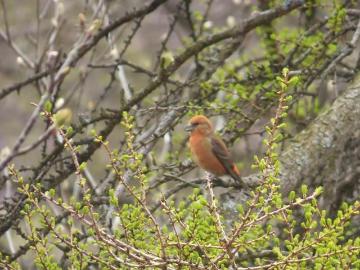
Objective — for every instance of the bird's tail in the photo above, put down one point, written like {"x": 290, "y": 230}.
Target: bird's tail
{"x": 235, "y": 174}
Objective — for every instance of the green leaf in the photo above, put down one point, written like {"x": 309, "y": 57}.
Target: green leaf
{"x": 48, "y": 106}
{"x": 304, "y": 190}
{"x": 292, "y": 196}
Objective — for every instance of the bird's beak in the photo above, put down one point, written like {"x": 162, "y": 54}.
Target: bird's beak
{"x": 189, "y": 128}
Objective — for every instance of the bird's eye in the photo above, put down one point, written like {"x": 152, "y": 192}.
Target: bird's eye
{"x": 195, "y": 124}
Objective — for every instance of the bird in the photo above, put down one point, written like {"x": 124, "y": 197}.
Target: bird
{"x": 209, "y": 151}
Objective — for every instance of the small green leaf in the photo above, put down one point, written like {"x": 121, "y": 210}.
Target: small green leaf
{"x": 304, "y": 190}
{"x": 292, "y": 196}
{"x": 48, "y": 106}
{"x": 285, "y": 72}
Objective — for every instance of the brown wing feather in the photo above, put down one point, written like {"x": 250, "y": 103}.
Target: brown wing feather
{"x": 220, "y": 151}
{"x": 223, "y": 155}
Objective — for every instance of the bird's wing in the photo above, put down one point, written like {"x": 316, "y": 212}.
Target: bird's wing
{"x": 220, "y": 151}
{"x": 222, "y": 154}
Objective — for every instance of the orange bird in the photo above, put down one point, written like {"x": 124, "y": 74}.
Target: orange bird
{"x": 209, "y": 151}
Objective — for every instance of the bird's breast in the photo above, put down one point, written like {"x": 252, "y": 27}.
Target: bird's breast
{"x": 202, "y": 154}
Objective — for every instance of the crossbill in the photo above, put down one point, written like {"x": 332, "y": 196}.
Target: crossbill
{"x": 209, "y": 151}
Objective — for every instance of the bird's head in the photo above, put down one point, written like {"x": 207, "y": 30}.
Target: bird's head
{"x": 200, "y": 124}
